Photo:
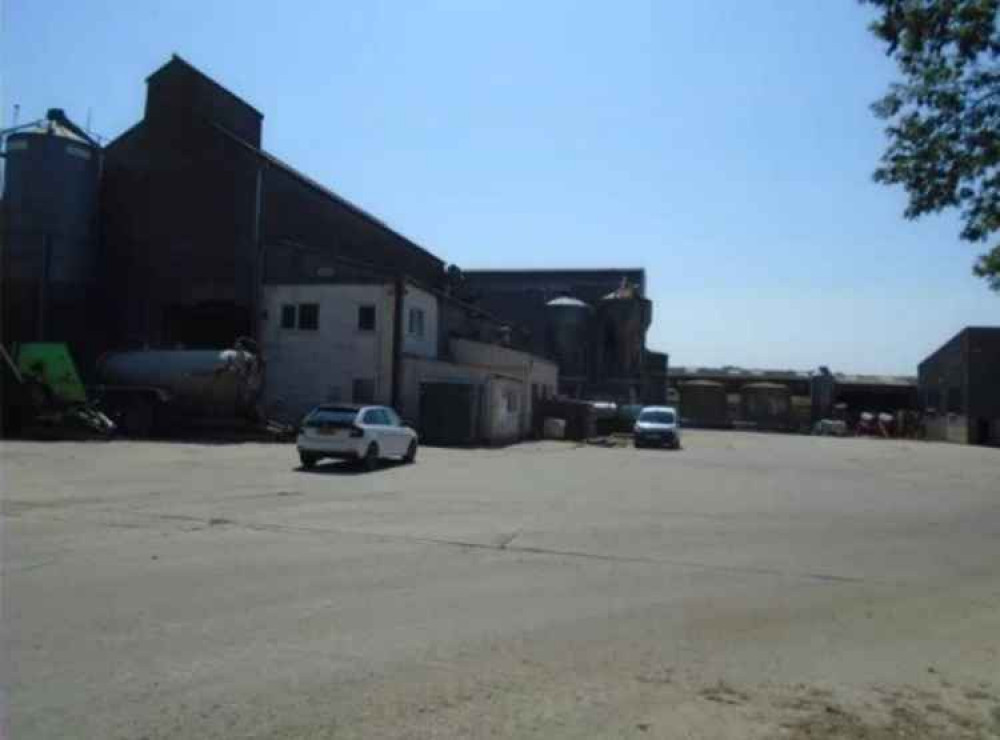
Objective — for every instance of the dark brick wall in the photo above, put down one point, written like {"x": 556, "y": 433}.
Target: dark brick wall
{"x": 297, "y": 211}
{"x": 178, "y": 212}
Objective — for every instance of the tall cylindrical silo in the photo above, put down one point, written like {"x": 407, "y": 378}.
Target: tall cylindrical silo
{"x": 623, "y": 321}
{"x": 568, "y": 324}
{"x": 50, "y": 233}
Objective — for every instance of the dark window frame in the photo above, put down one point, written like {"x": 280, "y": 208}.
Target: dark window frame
{"x": 367, "y": 317}
{"x": 312, "y": 311}
{"x": 416, "y": 321}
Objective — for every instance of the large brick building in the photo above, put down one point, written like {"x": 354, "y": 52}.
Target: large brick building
{"x": 195, "y": 213}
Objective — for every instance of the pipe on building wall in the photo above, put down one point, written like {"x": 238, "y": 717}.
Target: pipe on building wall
{"x": 399, "y": 290}
{"x": 259, "y": 250}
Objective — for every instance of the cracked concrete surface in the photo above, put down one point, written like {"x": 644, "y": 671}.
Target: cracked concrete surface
{"x": 749, "y": 586}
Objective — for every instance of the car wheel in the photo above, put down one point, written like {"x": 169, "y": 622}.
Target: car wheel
{"x": 370, "y": 461}
{"x": 308, "y": 461}
{"x": 411, "y": 452}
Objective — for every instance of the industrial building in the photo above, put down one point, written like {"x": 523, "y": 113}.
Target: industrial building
{"x": 192, "y": 207}
{"x": 960, "y": 388}
{"x": 592, "y": 322}
{"x": 184, "y": 233}
{"x": 784, "y": 399}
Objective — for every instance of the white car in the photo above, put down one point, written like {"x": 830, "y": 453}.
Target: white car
{"x": 657, "y": 426}
{"x": 363, "y": 434}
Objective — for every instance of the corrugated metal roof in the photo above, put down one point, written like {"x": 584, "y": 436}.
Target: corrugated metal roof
{"x": 730, "y": 372}
{"x": 893, "y": 380}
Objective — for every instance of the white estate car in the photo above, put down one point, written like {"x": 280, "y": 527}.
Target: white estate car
{"x": 364, "y": 434}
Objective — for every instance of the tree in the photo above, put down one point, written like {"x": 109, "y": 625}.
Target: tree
{"x": 944, "y": 116}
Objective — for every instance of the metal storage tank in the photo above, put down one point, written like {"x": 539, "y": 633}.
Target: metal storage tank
{"x": 622, "y": 336}
{"x": 568, "y": 322}
{"x": 52, "y": 169}
{"x": 202, "y": 383}
{"x": 768, "y": 405}
{"x": 704, "y": 403}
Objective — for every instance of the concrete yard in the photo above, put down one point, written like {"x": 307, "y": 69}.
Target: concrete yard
{"x": 749, "y": 586}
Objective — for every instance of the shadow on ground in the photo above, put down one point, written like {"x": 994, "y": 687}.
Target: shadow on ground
{"x": 347, "y": 467}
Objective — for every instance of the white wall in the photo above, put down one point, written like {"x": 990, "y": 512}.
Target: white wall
{"x": 305, "y": 368}
{"x": 529, "y": 369}
{"x": 413, "y": 344}
{"x": 499, "y": 420}
{"x": 499, "y": 371}
{"x": 504, "y": 410}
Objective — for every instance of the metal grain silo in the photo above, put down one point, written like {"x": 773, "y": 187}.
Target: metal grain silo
{"x": 623, "y": 323}
{"x": 704, "y": 403}
{"x": 568, "y": 323}
{"x": 767, "y": 405}
{"x": 52, "y": 170}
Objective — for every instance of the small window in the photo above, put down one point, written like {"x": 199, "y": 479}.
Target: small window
{"x": 363, "y": 390}
{"x": 309, "y": 316}
{"x": 288, "y": 316}
{"x": 366, "y": 318}
{"x": 416, "y": 327}
{"x": 371, "y": 416}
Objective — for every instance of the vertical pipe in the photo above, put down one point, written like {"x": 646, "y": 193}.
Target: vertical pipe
{"x": 399, "y": 290}
{"x": 258, "y": 277}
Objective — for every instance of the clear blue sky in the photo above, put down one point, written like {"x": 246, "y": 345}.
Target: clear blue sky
{"x": 725, "y": 146}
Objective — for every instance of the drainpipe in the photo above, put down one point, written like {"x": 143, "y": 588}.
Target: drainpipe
{"x": 399, "y": 291}
{"x": 258, "y": 283}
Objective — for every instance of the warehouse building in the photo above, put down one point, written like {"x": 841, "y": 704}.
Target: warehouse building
{"x": 960, "y": 388}
{"x": 192, "y": 206}
{"x": 184, "y": 233}
{"x": 785, "y": 399}
{"x": 591, "y": 322}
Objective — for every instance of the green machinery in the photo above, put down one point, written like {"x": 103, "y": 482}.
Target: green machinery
{"x": 43, "y": 393}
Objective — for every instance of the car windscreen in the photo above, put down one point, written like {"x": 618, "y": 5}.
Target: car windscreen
{"x": 331, "y": 418}
{"x": 657, "y": 417}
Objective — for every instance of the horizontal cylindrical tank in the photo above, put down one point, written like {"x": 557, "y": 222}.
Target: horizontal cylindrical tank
{"x": 768, "y": 405}
{"x": 568, "y": 323}
{"x": 704, "y": 403}
{"x": 203, "y": 383}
